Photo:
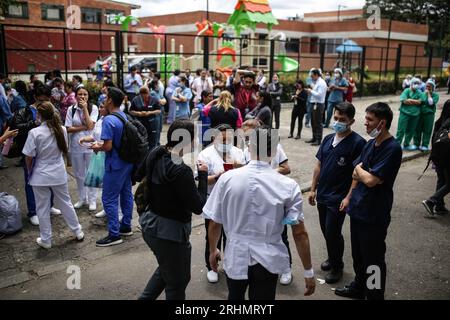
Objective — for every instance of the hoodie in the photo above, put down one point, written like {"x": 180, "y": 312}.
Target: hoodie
{"x": 172, "y": 190}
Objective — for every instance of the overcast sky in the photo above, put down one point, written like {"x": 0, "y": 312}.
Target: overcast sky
{"x": 281, "y": 8}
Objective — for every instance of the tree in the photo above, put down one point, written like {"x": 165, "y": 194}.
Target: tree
{"x": 434, "y": 13}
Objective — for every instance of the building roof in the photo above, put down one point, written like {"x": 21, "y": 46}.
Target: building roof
{"x": 133, "y": 6}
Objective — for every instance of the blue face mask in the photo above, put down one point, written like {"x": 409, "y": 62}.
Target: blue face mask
{"x": 340, "y": 127}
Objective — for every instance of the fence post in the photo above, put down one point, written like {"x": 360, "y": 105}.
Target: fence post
{"x": 362, "y": 72}
{"x": 119, "y": 59}
{"x": 240, "y": 52}
{"x": 206, "y": 52}
{"x": 322, "y": 55}
{"x": 397, "y": 66}
{"x": 65, "y": 54}
{"x": 430, "y": 62}
{"x": 3, "y": 52}
{"x": 415, "y": 61}
{"x": 298, "y": 60}
{"x": 272, "y": 58}
{"x": 165, "y": 60}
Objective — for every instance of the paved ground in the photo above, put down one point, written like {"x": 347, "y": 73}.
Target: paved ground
{"x": 418, "y": 248}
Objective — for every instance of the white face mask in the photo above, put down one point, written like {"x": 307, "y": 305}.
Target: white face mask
{"x": 375, "y": 132}
{"x": 337, "y": 75}
{"x": 223, "y": 148}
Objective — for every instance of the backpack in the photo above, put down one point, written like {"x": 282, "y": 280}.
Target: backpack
{"x": 440, "y": 150}
{"x": 10, "y": 216}
{"x": 133, "y": 143}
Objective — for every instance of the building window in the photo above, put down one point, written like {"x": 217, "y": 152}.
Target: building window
{"x": 110, "y": 14}
{"x": 52, "y": 12}
{"x": 89, "y": 15}
{"x": 292, "y": 45}
{"x": 18, "y": 10}
{"x": 332, "y": 44}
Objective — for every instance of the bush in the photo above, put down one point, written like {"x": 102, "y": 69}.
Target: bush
{"x": 379, "y": 88}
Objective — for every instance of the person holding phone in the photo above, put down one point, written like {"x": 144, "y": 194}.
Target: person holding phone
{"x": 80, "y": 121}
{"x": 221, "y": 156}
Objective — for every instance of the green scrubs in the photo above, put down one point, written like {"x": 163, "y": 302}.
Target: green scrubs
{"x": 409, "y": 116}
{"x": 426, "y": 120}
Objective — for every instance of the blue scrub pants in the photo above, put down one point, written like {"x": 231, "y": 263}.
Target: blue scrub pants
{"x": 117, "y": 183}
{"x": 330, "y": 110}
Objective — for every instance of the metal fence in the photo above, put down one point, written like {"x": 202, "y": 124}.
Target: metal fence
{"x": 31, "y": 49}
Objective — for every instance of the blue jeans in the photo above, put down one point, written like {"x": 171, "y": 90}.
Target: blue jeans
{"x": 308, "y": 113}
{"x": 330, "y": 108}
{"x": 117, "y": 183}
{"x": 31, "y": 203}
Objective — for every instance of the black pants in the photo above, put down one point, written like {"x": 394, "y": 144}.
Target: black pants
{"x": 174, "y": 269}
{"x": 276, "y": 109}
{"x": 368, "y": 249}
{"x": 262, "y": 285}
{"x": 331, "y": 221}
{"x": 284, "y": 237}
{"x": 220, "y": 244}
{"x": 130, "y": 96}
{"x": 316, "y": 121}
{"x": 297, "y": 113}
{"x": 442, "y": 186}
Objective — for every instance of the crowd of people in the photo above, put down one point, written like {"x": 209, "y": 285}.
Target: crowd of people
{"x": 240, "y": 182}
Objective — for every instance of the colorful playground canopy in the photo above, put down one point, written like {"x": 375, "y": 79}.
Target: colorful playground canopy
{"x": 248, "y": 13}
{"x": 349, "y": 46}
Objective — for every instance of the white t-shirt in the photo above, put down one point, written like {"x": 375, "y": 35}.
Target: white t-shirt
{"x": 200, "y": 85}
{"x": 74, "y": 146}
{"x": 215, "y": 162}
{"x": 279, "y": 158}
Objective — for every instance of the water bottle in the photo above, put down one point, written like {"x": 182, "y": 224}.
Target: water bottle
{"x": 7, "y": 146}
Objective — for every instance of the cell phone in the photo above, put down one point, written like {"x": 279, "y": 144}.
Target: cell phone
{"x": 227, "y": 166}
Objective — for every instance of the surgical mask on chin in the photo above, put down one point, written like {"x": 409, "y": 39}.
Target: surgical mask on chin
{"x": 223, "y": 148}
{"x": 337, "y": 75}
{"x": 340, "y": 127}
{"x": 375, "y": 132}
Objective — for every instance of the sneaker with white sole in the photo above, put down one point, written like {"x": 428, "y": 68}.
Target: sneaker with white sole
{"x": 55, "y": 211}
{"x": 79, "y": 204}
{"x": 286, "y": 278}
{"x": 43, "y": 244}
{"x": 100, "y": 214}
{"x": 34, "y": 220}
{"x": 212, "y": 276}
{"x": 92, "y": 206}
{"x": 80, "y": 236}
{"x": 109, "y": 241}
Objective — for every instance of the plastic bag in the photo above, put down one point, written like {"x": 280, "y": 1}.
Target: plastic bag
{"x": 10, "y": 216}
{"x": 96, "y": 170}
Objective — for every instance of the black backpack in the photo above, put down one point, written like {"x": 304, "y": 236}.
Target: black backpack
{"x": 133, "y": 143}
{"x": 440, "y": 149}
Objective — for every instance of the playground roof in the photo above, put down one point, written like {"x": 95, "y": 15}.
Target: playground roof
{"x": 349, "y": 46}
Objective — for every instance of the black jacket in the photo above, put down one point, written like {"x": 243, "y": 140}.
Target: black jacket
{"x": 23, "y": 120}
{"x": 172, "y": 190}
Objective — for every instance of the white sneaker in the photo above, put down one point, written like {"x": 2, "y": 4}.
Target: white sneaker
{"x": 34, "y": 220}
{"x": 43, "y": 244}
{"x": 92, "y": 206}
{"x": 286, "y": 278}
{"x": 79, "y": 204}
{"x": 80, "y": 235}
{"x": 55, "y": 211}
{"x": 100, "y": 214}
{"x": 212, "y": 276}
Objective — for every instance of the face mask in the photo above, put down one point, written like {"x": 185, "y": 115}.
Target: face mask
{"x": 275, "y": 81}
{"x": 337, "y": 75}
{"x": 375, "y": 132}
{"x": 327, "y": 77}
{"x": 416, "y": 86}
{"x": 223, "y": 148}
{"x": 339, "y": 127}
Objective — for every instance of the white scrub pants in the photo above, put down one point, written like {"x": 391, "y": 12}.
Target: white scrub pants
{"x": 80, "y": 165}
{"x": 62, "y": 201}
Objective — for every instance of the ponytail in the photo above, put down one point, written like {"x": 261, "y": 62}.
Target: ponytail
{"x": 48, "y": 114}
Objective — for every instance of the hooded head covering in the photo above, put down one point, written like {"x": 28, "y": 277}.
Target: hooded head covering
{"x": 339, "y": 70}
{"x": 415, "y": 80}
{"x": 431, "y": 82}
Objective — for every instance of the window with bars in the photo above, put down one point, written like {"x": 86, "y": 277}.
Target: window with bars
{"x": 17, "y": 10}
{"x": 52, "y": 12}
{"x": 91, "y": 15}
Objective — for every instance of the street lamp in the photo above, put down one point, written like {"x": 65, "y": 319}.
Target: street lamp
{"x": 206, "y": 42}
{"x": 339, "y": 11}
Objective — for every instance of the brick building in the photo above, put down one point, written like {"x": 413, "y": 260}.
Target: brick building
{"x": 95, "y": 15}
{"x": 304, "y": 36}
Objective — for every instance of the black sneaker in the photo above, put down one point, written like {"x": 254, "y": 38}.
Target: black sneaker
{"x": 349, "y": 292}
{"x": 109, "y": 241}
{"x": 429, "y": 205}
{"x": 325, "y": 266}
{"x": 441, "y": 210}
{"x": 333, "y": 276}
{"x": 125, "y": 231}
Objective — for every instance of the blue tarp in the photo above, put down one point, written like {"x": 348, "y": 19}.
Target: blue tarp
{"x": 349, "y": 46}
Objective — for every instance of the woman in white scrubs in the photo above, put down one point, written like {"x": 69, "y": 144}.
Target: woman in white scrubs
{"x": 80, "y": 122}
{"x": 43, "y": 152}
